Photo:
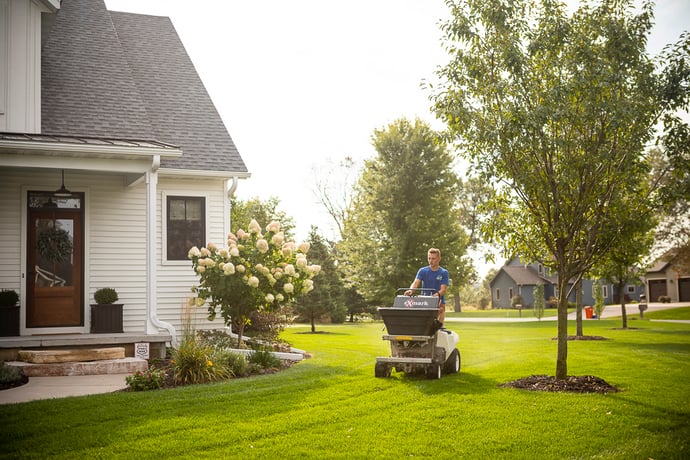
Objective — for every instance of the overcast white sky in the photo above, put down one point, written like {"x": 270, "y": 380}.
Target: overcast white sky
{"x": 302, "y": 82}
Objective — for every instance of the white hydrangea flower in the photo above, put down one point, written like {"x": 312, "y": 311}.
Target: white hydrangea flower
{"x": 229, "y": 269}
{"x": 277, "y": 239}
{"x": 262, "y": 246}
{"x": 270, "y": 298}
{"x": 240, "y": 268}
{"x": 253, "y": 281}
{"x": 254, "y": 226}
{"x": 273, "y": 227}
{"x": 194, "y": 252}
{"x": 234, "y": 251}
{"x": 304, "y": 247}
{"x": 288, "y": 287}
{"x": 290, "y": 270}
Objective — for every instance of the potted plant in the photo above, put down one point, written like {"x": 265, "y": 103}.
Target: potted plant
{"x": 9, "y": 313}
{"x": 106, "y": 314}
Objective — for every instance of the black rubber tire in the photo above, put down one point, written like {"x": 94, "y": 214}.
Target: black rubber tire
{"x": 382, "y": 370}
{"x": 433, "y": 371}
{"x": 452, "y": 365}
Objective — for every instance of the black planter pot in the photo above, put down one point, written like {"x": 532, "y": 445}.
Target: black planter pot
{"x": 9, "y": 321}
{"x": 106, "y": 318}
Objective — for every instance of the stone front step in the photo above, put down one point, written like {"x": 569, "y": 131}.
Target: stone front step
{"x": 101, "y": 367}
{"x": 68, "y": 356}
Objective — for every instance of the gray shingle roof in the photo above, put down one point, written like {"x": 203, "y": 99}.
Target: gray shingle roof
{"x": 123, "y": 75}
{"x": 524, "y": 276}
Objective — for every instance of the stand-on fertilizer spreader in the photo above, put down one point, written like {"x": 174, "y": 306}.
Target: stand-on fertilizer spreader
{"x": 418, "y": 343}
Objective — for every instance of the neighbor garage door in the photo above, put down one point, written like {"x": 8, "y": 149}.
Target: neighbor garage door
{"x": 657, "y": 288}
{"x": 684, "y": 289}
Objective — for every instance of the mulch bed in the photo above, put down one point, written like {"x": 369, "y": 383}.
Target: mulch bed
{"x": 571, "y": 384}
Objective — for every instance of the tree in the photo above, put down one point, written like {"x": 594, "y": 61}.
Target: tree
{"x": 557, "y": 110}
{"x": 623, "y": 264}
{"x": 242, "y": 212}
{"x": 404, "y": 203}
{"x": 334, "y": 189}
{"x": 598, "y": 298}
{"x": 327, "y": 296}
{"x": 539, "y": 301}
{"x": 256, "y": 272}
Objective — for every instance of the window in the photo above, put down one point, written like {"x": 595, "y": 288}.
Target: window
{"x": 186, "y": 225}
{"x": 630, "y": 288}
{"x": 498, "y": 294}
{"x": 605, "y": 288}
{"x": 510, "y": 293}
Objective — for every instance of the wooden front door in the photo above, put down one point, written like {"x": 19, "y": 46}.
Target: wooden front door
{"x": 55, "y": 293}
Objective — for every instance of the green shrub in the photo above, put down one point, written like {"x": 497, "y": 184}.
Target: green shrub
{"x": 193, "y": 362}
{"x": 264, "y": 359}
{"x": 11, "y": 375}
{"x": 8, "y": 298}
{"x": 236, "y": 363}
{"x": 151, "y": 379}
{"x": 105, "y": 296}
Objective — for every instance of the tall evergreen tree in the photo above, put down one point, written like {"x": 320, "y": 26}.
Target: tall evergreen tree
{"x": 404, "y": 203}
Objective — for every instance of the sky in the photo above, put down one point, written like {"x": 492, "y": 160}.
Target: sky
{"x": 302, "y": 84}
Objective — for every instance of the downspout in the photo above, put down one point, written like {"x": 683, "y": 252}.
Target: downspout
{"x": 231, "y": 187}
{"x": 153, "y": 323}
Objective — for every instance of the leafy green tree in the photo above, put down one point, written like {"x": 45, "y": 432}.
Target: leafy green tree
{"x": 557, "y": 111}
{"x": 539, "y": 301}
{"x": 403, "y": 204}
{"x": 598, "y": 298}
{"x": 623, "y": 263}
{"x": 328, "y": 294}
{"x": 242, "y": 212}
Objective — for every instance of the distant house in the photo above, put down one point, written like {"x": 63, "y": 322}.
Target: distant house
{"x": 108, "y": 134}
{"x": 665, "y": 279}
{"x": 519, "y": 278}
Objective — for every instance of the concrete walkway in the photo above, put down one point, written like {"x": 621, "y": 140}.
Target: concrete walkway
{"x": 62, "y": 387}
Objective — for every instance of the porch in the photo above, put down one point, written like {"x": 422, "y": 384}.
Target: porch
{"x": 10, "y": 346}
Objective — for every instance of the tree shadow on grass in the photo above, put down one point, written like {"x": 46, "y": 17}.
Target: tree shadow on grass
{"x": 458, "y": 384}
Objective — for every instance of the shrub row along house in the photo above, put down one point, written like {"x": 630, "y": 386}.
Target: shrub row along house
{"x": 516, "y": 278}
{"x": 113, "y": 163}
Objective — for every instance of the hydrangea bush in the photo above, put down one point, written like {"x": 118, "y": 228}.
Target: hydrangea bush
{"x": 256, "y": 272}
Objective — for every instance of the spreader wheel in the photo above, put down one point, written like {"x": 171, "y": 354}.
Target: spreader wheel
{"x": 382, "y": 370}
{"x": 452, "y": 365}
{"x": 433, "y": 371}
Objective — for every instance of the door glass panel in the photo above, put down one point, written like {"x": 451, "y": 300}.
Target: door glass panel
{"x": 54, "y": 256}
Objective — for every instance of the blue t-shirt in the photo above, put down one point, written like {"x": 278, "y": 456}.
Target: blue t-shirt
{"x": 433, "y": 280}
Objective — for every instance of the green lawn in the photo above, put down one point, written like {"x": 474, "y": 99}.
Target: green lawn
{"x": 332, "y": 406}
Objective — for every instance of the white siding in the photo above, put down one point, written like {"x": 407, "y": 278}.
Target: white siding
{"x": 10, "y": 232}
{"x": 115, "y": 239}
{"x": 175, "y": 278}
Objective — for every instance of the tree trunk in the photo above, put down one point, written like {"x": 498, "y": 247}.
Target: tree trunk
{"x": 458, "y": 307}
{"x": 313, "y": 325}
{"x": 578, "y": 308}
{"x": 240, "y": 332}
{"x": 624, "y": 314}
{"x": 562, "y": 355}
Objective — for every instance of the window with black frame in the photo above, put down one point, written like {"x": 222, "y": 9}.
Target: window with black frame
{"x": 186, "y": 225}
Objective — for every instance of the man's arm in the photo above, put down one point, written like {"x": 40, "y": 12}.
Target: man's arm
{"x": 415, "y": 284}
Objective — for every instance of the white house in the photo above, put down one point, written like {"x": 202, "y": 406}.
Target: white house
{"x": 109, "y": 106}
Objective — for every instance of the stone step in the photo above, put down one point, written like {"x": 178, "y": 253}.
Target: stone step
{"x": 100, "y": 367}
{"x": 68, "y": 356}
